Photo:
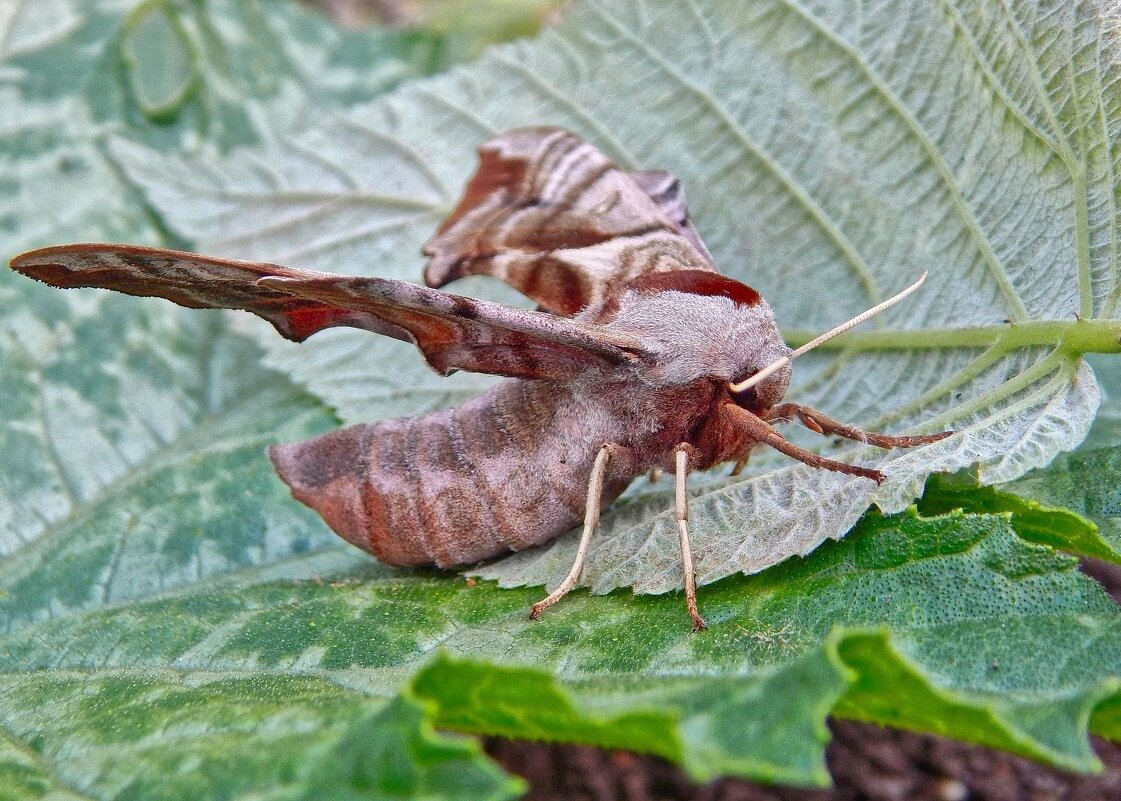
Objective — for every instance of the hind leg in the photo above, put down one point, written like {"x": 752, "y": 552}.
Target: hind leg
{"x": 681, "y": 512}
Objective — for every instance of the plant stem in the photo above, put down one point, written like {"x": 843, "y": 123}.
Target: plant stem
{"x": 1074, "y": 337}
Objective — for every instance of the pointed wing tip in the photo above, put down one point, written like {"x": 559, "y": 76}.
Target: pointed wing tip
{"x": 42, "y": 264}
{"x": 21, "y": 262}
{"x": 54, "y": 263}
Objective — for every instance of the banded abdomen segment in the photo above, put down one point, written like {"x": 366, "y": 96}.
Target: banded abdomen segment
{"x": 453, "y": 487}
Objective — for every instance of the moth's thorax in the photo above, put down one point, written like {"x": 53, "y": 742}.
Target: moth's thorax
{"x": 693, "y": 337}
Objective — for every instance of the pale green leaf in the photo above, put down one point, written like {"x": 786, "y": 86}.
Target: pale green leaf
{"x": 826, "y": 165}
{"x": 173, "y": 625}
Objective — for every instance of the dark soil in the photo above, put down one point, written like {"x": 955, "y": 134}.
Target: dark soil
{"x": 867, "y": 762}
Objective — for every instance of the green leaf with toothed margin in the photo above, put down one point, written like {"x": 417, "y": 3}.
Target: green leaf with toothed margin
{"x": 1034, "y": 521}
{"x": 950, "y": 624}
{"x": 173, "y": 626}
{"x": 826, "y": 165}
{"x": 1088, "y": 482}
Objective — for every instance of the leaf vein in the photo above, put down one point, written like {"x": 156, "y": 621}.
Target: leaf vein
{"x": 752, "y": 149}
{"x": 1016, "y": 308}
{"x": 36, "y": 758}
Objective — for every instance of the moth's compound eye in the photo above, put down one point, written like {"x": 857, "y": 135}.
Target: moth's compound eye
{"x": 747, "y": 398}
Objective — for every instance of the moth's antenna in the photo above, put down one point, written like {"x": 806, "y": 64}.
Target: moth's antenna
{"x": 778, "y": 364}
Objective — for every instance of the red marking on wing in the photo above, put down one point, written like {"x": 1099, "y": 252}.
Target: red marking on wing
{"x": 459, "y": 333}
{"x": 696, "y": 282}
{"x": 307, "y": 320}
{"x": 452, "y": 332}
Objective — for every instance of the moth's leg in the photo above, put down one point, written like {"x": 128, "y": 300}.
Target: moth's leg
{"x": 681, "y": 510}
{"x": 825, "y": 425}
{"x": 740, "y": 464}
{"x": 761, "y": 431}
{"x": 591, "y": 520}
{"x": 654, "y": 475}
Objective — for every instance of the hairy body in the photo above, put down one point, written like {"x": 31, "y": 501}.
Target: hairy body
{"x": 509, "y": 469}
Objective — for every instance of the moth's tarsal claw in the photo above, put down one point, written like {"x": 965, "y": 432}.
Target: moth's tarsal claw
{"x": 539, "y": 607}
{"x": 698, "y": 622}
{"x": 864, "y": 472}
{"x": 813, "y": 425}
{"x": 561, "y": 591}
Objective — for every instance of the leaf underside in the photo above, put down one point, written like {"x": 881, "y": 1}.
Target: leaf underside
{"x": 851, "y": 163}
{"x": 173, "y": 625}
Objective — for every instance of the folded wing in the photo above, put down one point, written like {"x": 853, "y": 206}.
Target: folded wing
{"x": 550, "y": 215}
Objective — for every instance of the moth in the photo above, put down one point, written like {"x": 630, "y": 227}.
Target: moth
{"x": 640, "y": 356}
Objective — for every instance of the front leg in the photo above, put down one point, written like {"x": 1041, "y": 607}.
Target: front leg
{"x": 757, "y": 430}
{"x": 825, "y": 425}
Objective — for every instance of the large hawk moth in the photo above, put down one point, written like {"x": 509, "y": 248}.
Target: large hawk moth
{"x": 640, "y": 356}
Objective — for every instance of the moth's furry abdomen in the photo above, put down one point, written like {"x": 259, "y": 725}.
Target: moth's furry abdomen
{"x": 328, "y": 473}
{"x": 450, "y": 488}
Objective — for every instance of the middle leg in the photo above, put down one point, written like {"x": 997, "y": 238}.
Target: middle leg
{"x": 681, "y": 457}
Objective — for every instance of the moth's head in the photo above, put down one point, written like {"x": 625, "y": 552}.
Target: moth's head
{"x": 702, "y": 325}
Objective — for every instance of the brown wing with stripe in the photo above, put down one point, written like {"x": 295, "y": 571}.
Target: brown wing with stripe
{"x": 194, "y": 281}
{"x": 459, "y": 333}
{"x": 453, "y": 332}
{"x": 550, "y": 215}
